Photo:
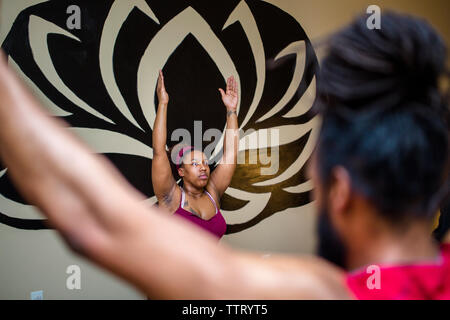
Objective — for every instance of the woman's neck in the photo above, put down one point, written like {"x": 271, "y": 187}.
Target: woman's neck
{"x": 192, "y": 191}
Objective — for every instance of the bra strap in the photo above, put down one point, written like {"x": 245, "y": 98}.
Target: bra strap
{"x": 212, "y": 199}
{"x": 183, "y": 198}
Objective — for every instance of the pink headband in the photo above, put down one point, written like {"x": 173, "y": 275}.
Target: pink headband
{"x": 181, "y": 154}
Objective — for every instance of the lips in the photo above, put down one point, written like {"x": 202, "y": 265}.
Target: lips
{"x": 203, "y": 177}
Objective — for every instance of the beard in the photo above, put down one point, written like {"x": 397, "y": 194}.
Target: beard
{"x": 330, "y": 247}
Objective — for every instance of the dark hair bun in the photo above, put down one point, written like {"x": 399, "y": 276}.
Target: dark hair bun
{"x": 395, "y": 66}
{"x": 384, "y": 118}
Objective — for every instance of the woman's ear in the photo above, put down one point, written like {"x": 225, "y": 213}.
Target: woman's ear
{"x": 181, "y": 172}
{"x": 339, "y": 200}
{"x": 340, "y": 190}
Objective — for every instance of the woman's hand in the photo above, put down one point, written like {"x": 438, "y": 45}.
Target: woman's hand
{"x": 163, "y": 96}
{"x": 230, "y": 98}
{"x": 223, "y": 174}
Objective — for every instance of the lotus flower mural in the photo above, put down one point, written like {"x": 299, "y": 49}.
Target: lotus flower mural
{"x": 101, "y": 79}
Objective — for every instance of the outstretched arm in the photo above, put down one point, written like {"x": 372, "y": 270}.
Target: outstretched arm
{"x": 222, "y": 176}
{"x": 163, "y": 182}
{"x": 104, "y": 218}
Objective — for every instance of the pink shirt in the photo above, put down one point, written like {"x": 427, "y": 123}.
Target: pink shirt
{"x": 216, "y": 225}
{"x": 423, "y": 281}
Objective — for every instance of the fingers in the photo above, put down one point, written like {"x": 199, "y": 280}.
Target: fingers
{"x": 161, "y": 80}
{"x": 230, "y": 80}
{"x": 234, "y": 84}
{"x": 229, "y": 85}
{"x": 232, "y": 87}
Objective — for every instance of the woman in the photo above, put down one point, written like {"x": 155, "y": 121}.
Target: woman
{"x": 198, "y": 199}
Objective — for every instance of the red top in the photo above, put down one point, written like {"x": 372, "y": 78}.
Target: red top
{"x": 216, "y": 225}
{"x": 423, "y": 281}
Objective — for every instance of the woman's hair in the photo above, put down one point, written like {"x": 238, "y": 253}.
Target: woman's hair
{"x": 384, "y": 117}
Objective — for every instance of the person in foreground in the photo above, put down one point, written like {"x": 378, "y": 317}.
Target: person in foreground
{"x": 198, "y": 200}
{"x": 379, "y": 170}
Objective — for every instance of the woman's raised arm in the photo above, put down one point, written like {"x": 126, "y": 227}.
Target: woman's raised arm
{"x": 222, "y": 176}
{"x": 164, "y": 184}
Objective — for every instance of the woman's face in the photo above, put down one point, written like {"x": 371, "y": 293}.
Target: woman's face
{"x": 195, "y": 169}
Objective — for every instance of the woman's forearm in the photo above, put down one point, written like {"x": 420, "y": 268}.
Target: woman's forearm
{"x": 160, "y": 130}
{"x": 231, "y": 140}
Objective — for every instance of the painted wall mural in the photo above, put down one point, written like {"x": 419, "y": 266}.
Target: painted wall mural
{"x": 101, "y": 79}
